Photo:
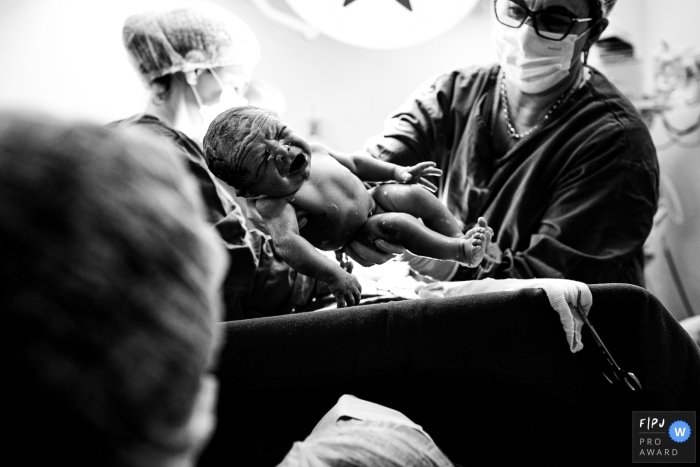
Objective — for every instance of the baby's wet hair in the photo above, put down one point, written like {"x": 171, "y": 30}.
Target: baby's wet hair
{"x": 225, "y": 143}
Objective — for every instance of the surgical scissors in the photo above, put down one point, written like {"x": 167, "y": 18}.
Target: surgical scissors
{"x": 618, "y": 377}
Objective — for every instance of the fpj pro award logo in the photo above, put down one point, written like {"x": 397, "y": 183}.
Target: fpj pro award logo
{"x": 663, "y": 437}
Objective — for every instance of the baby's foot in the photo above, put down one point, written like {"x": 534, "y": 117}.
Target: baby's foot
{"x": 475, "y": 242}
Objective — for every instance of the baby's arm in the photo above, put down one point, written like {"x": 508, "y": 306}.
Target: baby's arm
{"x": 280, "y": 218}
{"x": 369, "y": 169}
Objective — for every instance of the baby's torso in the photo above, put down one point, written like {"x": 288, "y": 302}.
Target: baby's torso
{"x": 336, "y": 202}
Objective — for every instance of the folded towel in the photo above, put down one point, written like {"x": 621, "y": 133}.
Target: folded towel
{"x": 566, "y": 297}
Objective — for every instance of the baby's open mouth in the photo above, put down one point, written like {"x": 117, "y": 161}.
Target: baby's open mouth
{"x": 298, "y": 163}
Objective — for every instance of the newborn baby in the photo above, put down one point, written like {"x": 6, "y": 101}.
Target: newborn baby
{"x": 271, "y": 166}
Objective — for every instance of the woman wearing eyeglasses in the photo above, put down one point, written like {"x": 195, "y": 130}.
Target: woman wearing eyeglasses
{"x": 541, "y": 145}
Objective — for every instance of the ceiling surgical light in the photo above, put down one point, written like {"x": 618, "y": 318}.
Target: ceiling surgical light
{"x": 382, "y": 24}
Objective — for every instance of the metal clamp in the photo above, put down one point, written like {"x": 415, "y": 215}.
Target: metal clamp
{"x": 612, "y": 371}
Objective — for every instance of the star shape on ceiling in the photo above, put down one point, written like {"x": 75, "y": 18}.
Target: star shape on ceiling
{"x": 405, "y": 3}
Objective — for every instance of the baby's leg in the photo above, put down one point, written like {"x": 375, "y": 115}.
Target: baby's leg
{"x": 407, "y": 231}
{"x": 420, "y": 203}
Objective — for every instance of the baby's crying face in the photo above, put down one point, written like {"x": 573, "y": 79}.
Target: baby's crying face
{"x": 285, "y": 162}
{"x": 290, "y": 162}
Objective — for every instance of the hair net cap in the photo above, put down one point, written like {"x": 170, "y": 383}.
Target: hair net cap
{"x": 186, "y": 38}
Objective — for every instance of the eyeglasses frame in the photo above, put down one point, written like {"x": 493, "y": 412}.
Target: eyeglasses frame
{"x": 533, "y": 15}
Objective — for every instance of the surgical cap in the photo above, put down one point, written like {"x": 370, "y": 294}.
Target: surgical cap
{"x": 200, "y": 35}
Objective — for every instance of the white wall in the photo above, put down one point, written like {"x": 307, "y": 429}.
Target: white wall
{"x": 675, "y": 243}
{"x": 648, "y": 22}
{"x": 65, "y": 57}
{"x": 675, "y": 21}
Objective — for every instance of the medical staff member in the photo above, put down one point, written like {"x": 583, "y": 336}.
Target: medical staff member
{"x": 543, "y": 146}
{"x": 196, "y": 61}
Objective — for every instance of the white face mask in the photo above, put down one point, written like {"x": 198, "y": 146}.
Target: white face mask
{"x": 532, "y": 63}
{"x": 229, "y": 98}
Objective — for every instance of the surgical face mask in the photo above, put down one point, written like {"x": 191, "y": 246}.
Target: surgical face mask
{"x": 532, "y": 63}
{"x": 229, "y": 98}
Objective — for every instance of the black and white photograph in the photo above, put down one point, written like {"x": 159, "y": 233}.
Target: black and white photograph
{"x": 350, "y": 233}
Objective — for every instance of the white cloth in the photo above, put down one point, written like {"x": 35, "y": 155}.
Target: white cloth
{"x": 376, "y": 436}
{"x": 360, "y": 409}
{"x": 432, "y": 269}
{"x": 566, "y": 297}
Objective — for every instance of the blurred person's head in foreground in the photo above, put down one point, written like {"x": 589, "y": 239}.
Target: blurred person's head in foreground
{"x": 110, "y": 276}
{"x": 365, "y": 443}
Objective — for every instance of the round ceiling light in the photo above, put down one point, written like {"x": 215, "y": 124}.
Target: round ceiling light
{"x": 382, "y": 24}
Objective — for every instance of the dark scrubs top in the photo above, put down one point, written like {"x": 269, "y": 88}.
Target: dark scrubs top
{"x": 574, "y": 200}
{"x": 259, "y": 283}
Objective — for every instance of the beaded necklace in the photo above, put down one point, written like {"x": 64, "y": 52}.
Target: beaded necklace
{"x": 506, "y": 113}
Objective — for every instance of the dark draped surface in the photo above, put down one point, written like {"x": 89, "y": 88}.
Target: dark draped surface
{"x": 488, "y": 376}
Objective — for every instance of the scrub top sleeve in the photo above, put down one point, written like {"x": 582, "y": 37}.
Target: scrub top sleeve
{"x": 418, "y": 130}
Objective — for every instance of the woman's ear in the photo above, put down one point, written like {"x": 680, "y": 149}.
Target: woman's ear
{"x": 159, "y": 89}
{"x": 158, "y": 93}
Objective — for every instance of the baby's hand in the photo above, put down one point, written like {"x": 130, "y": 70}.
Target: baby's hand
{"x": 416, "y": 173}
{"x": 346, "y": 289}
